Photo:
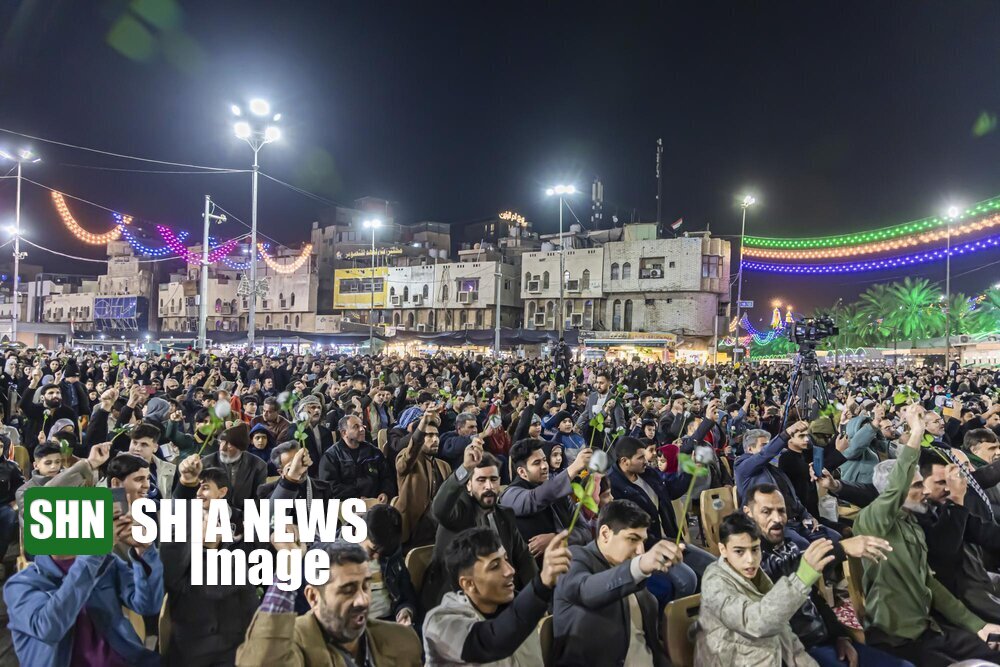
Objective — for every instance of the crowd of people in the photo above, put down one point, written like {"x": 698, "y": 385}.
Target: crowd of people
{"x": 534, "y": 489}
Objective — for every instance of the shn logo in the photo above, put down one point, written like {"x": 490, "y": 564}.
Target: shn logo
{"x": 68, "y": 521}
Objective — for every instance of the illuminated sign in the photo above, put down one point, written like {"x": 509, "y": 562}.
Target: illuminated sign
{"x": 378, "y": 251}
{"x": 516, "y": 218}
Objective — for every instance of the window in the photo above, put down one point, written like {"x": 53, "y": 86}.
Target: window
{"x": 614, "y": 271}
{"x": 396, "y": 318}
{"x": 430, "y": 320}
{"x": 409, "y": 320}
{"x": 296, "y": 321}
{"x": 651, "y": 267}
{"x": 616, "y": 316}
{"x": 286, "y": 321}
{"x": 218, "y": 305}
{"x": 449, "y": 320}
{"x": 506, "y": 284}
{"x": 527, "y": 277}
{"x": 628, "y": 314}
{"x": 406, "y": 293}
{"x": 463, "y": 317}
{"x": 267, "y": 320}
{"x": 281, "y": 298}
{"x": 711, "y": 266}
{"x": 292, "y": 300}
{"x": 531, "y": 314}
{"x": 626, "y": 271}
{"x": 426, "y": 292}
{"x": 585, "y": 279}
{"x": 444, "y": 292}
{"x": 392, "y": 291}
{"x": 545, "y": 280}
{"x": 672, "y": 265}
{"x": 479, "y": 319}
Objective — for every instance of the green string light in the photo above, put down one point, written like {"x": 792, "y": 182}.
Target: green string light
{"x": 882, "y": 234}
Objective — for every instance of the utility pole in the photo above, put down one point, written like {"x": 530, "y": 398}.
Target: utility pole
{"x": 20, "y": 157}
{"x": 659, "y": 187}
{"x": 498, "y": 276}
{"x": 208, "y": 217}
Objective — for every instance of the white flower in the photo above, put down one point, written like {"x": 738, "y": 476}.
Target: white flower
{"x": 283, "y": 397}
{"x": 703, "y": 455}
{"x": 598, "y": 462}
{"x": 843, "y": 382}
{"x": 303, "y": 416}
{"x": 222, "y": 409}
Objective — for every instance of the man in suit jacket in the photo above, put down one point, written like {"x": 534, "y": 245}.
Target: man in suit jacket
{"x": 245, "y": 472}
{"x": 606, "y": 588}
{"x": 318, "y": 437}
{"x": 419, "y": 474}
{"x": 467, "y": 499}
{"x": 601, "y": 400}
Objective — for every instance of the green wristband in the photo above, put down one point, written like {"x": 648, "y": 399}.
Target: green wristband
{"x": 806, "y": 573}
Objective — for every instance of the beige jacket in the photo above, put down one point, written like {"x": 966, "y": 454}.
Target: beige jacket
{"x": 745, "y": 621}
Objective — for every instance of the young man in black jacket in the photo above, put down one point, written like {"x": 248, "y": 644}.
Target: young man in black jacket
{"x": 354, "y": 467}
{"x": 393, "y": 597}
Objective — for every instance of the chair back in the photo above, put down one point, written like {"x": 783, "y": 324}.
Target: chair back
{"x": 678, "y": 617}
{"x": 417, "y": 561}
{"x": 716, "y": 504}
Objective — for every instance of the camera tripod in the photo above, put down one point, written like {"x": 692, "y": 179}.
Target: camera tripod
{"x": 807, "y": 385}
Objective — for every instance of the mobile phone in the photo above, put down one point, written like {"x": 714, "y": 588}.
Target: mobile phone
{"x": 119, "y": 501}
{"x": 818, "y": 461}
{"x": 949, "y": 403}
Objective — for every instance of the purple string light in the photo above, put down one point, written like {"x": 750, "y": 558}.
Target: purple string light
{"x": 875, "y": 265}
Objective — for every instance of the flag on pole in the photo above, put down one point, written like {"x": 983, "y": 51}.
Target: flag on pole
{"x": 676, "y": 224}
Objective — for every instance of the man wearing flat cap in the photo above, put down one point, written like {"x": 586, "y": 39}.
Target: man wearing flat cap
{"x": 318, "y": 437}
{"x": 246, "y": 473}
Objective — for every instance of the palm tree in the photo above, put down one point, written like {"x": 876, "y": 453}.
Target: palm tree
{"x": 917, "y": 314}
{"x": 961, "y": 316}
{"x": 873, "y": 308}
{"x": 986, "y": 316}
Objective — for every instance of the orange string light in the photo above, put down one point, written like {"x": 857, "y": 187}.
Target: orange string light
{"x": 80, "y": 232}
{"x": 901, "y": 243}
{"x": 285, "y": 269}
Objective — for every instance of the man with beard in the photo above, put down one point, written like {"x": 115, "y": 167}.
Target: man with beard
{"x": 292, "y": 462}
{"x": 246, "y": 473}
{"x": 901, "y": 592}
{"x": 542, "y": 503}
{"x": 468, "y": 499}
{"x": 42, "y": 417}
{"x": 483, "y": 622}
{"x": 600, "y": 400}
{"x": 336, "y": 631}
{"x": 983, "y": 449}
{"x": 318, "y": 437}
{"x": 419, "y": 475}
{"x": 271, "y": 418}
{"x": 815, "y": 623}
{"x": 354, "y": 467}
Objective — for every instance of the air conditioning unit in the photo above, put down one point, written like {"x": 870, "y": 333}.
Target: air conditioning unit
{"x": 572, "y": 285}
{"x": 534, "y": 286}
{"x": 421, "y": 327}
{"x": 396, "y": 300}
{"x": 656, "y": 273}
{"x": 576, "y": 320}
{"x": 463, "y": 297}
{"x": 539, "y": 319}
{"x": 417, "y": 299}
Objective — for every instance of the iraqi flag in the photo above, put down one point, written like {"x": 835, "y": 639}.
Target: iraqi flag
{"x": 676, "y": 224}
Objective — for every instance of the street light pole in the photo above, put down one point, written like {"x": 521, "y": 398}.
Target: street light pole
{"x": 498, "y": 276}
{"x": 257, "y": 138}
{"x": 22, "y": 156}
{"x": 203, "y": 289}
{"x": 748, "y": 201}
{"x": 953, "y": 212}
{"x": 561, "y": 190}
{"x": 373, "y": 224}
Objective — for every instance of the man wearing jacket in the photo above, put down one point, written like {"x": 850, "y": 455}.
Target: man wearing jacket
{"x": 354, "y": 467}
{"x": 336, "y": 631}
{"x": 453, "y": 443}
{"x": 419, "y": 475}
{"x": 600, "y": 400}
{"x": 483, "y": 622}
{"x": 605, "y": 589}
{"x": 754, "y": 467}
{"x": 542, "y": 503}
{"x": 815, "y": 623}
{"x": 866, "y": 442}
{"x": 902, "y": 592}
{"x": 67, "y": 610}
{"x": 631, "y": 479}
{"x": 468, "y": 499}
{"x": 246, "y": 473}
{"x": 318, "y": 437}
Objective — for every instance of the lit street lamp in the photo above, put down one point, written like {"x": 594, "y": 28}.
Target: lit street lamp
{"x": 561, "y": 191}
{"x": 256, "y": 129}
{"x": 747, "y": 202}
{"x": 372, "y": 224}
{"x": 23, "y": 155}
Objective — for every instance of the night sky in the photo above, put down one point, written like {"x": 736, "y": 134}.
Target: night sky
{"x": 838, "y": 116}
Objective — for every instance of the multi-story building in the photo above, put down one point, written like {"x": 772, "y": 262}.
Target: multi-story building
{"x": 73, "y": 308}
{"x": 178, "y": 304}
{"x": 678, "y": 286}
{"x": 450, "y": 296}
{"x": 292, "y": 299}
{"x": 583, "y": 298}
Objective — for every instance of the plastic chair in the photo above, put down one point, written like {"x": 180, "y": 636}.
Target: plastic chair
{"x": 678, "y": 504}
{"x": 417, "y": 561}
{"x": 382, "y": 439}
{"x": 164, "y": 625}
{"x": 678, "y": 617}
{"x": 545, "y": 638}
{"x": 715, "y": 505}
{"x": 23, "y": 460}
{"x": 853, "y": 573}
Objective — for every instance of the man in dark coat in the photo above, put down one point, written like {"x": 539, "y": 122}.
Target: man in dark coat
{"x": 356, "y": 468}
{"x": 245, "y": 472}
{"x": 606, "y": 588}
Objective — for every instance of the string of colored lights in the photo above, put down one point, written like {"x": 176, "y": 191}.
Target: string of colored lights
{"x": 875, "y": 265}
{"x": 81, "y": 233}
{"x": 878, "y": 246}
{"x": 285, "y": 269}
{"x": 192, "y": 257}
{"x": 883, "y": 234}
{"x": 243, "y": 266}
{"x": 142, "y": 248}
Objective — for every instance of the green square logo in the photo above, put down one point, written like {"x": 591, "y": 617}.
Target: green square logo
{"x": 68, "y": 521}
